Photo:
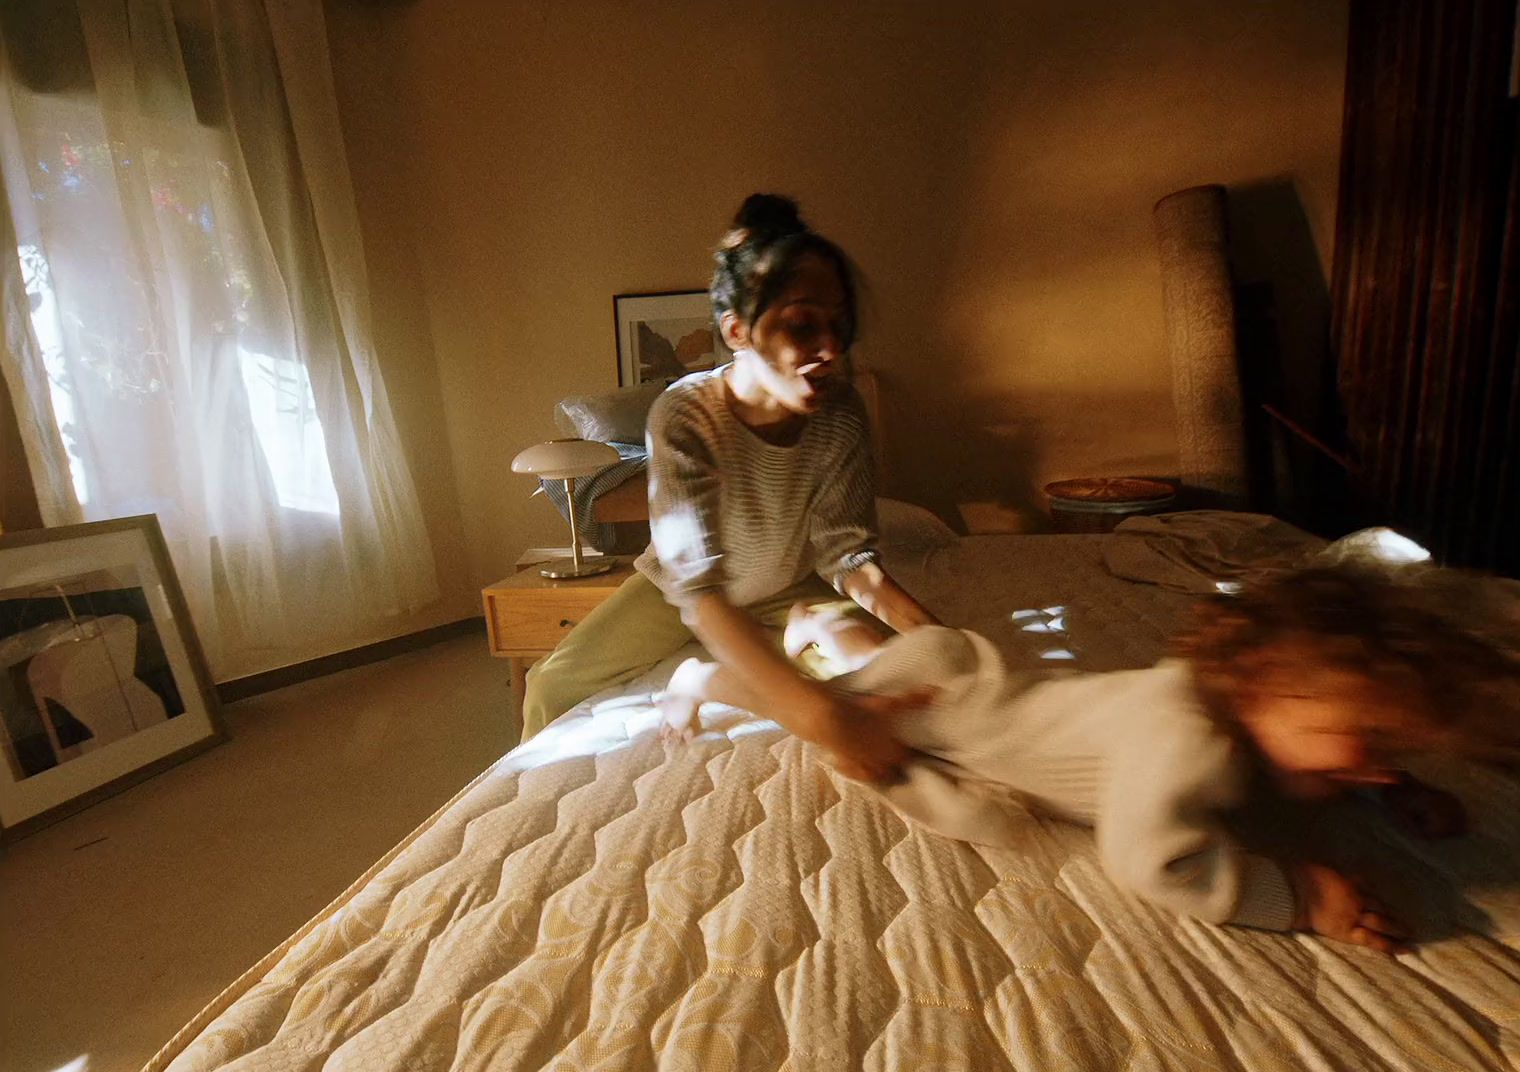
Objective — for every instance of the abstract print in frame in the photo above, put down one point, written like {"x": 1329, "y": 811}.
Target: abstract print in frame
{"x": 102, "y": 680}
{"x": 664, "y": 336}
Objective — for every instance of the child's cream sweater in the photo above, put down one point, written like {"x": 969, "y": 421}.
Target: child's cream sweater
{"x": 1130, "y": 753}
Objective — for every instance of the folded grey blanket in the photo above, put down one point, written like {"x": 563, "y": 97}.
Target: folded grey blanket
{"x": 1197, "y": 550}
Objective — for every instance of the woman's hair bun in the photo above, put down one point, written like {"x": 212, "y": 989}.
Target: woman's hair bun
{"x": 759, "y": 255}
{"x": 771, "y": 215}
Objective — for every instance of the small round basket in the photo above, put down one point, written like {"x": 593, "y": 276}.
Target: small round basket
{"x": 1098, "y": 504}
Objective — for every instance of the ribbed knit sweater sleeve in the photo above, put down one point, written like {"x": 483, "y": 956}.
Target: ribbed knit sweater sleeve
{"x": 1131, "y": 752}
{"x": 1160, "y": 834}
{"x": 842, "y": 527}
{"x": 685, "y": 495}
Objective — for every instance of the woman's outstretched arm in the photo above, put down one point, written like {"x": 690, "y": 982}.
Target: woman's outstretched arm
{"x": 851, "y": 727}
{"x": 885, "y": 599}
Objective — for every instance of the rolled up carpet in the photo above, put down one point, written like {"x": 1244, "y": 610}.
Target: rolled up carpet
{"x": 1199, "y": 308}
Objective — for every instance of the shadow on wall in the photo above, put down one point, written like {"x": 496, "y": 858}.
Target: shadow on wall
{"x": 1271, "y": 244}
{"x": 1283, "y": 333}
{"x": 993, "y": 174}
{"x": 1025, "y": 339}
{"x": 1006, "y": 446}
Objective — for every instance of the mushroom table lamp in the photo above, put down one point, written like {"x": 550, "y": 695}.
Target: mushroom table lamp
{"x": 566, "y": 459}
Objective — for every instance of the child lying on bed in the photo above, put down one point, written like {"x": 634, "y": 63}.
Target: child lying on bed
{"x": 1315, "y": 682}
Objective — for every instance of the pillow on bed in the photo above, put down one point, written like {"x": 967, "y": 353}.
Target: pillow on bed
{"x": 905, "y": 526}
{"x": 615, "y": 417}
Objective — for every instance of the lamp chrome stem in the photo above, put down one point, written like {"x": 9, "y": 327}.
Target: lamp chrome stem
{"x": 577, "y": 566}
{"x": 575, "y": 533}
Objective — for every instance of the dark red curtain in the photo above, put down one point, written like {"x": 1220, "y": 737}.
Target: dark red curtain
{"x": 1427, "y": 273}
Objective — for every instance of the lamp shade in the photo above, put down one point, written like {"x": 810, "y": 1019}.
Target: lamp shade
{"x": 560, "y": 459}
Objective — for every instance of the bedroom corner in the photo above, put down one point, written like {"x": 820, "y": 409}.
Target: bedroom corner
{"x": 1056, "y": 375}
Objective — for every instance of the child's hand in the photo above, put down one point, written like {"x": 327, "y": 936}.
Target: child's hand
{"x": 1333, "y": 905}
{"x": 1423, "y": 810}
{"x": 678, "y": 724}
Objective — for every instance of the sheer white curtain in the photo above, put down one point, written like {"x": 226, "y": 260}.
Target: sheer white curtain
{"x": 186, "y": 312}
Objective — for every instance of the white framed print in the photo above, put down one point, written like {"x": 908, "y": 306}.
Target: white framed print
{"x": 102, "y": 680}
{"x": 666, "y": 335}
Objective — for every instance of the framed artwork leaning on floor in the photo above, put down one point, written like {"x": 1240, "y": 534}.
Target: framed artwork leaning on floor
{"x": 102, "y": 680}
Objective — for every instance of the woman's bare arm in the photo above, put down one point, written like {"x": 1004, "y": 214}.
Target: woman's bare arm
{"x": 885, "y": 599}
{"x": 852, "y": 728}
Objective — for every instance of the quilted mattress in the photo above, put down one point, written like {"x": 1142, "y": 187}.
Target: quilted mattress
{"x": 592, "y": 902}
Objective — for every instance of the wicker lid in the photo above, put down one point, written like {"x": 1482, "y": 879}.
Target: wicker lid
{"x": 1104, "y": 492}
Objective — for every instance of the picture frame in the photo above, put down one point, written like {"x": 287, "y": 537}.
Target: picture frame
{"x": 665, "y": 335}
{"x": 102, "y": 679}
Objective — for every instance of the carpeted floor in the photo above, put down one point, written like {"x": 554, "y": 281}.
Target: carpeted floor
{"x": 118, "y": 924}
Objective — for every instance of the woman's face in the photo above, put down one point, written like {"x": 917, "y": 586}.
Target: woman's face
{"x": 800, "y": 339}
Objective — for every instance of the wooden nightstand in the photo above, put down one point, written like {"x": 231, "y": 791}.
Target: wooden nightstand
{"x": 527, "y": 614}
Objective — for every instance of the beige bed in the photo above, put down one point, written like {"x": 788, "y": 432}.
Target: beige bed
{"x": 590, "y": 902}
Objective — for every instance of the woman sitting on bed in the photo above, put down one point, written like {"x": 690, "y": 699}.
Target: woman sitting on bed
{"x": 1304, "y": 685}
{"x": 760, "y": 485}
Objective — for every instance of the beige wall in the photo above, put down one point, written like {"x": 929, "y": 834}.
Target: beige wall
{"x": 990, "y": 165}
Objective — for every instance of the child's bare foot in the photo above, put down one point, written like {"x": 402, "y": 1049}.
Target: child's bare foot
{"x": 681, "y": 701}
{"x": 844, "y": 642}
{"x": 835, "y": 634}
{"x": 678, "y": 721}
{"x": 801, "y": 630}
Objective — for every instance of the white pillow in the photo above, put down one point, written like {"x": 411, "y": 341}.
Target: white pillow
{"x": 615, "y": 417}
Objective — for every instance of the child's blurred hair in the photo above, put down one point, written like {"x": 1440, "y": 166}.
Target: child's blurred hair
{"x": 1442, "y": 645}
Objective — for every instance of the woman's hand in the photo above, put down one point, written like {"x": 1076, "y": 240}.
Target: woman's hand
{"x": 856, "y": 729}
{"x": 1333, "y": 905}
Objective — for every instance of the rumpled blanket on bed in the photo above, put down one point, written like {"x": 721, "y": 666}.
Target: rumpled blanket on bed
{"x": 1195, "y": 550}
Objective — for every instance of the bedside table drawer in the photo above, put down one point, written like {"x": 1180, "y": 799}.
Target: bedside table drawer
{"x": 537, "y": 619}
{"x": 527, "y": 615}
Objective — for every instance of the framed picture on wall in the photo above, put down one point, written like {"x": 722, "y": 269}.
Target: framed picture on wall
{"x": 102, "y": 680}
{"x": 664, "y": 336}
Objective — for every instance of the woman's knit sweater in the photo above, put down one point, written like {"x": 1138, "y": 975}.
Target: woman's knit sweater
{"x": 730, "y": 512}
